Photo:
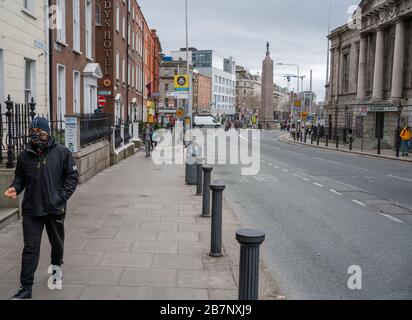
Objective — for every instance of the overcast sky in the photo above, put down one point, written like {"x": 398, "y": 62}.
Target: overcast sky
{"x": 296, "y": 30}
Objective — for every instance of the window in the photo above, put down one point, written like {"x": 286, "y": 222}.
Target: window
{"x": 76, "y": 92}
{"x": 61, "y": 21}
{"x": 29, "y": 5}
{"x": 29, "y": 80}
{"x": 117, "y": 18}
{"x": 2, "y": 94}
{"x": 128, "y": 74}
{"x": 128, "y": 34}
{"x": 124, "y": 27}
{"x": 123, "y": 70}
{"x": 166, "y": 87}
{"x": 98, "y": 15}
{"x": 88, "y": 35}
{"x": 133, "y": 41}
{"x": 117, "y": 65}
{"x": 76, "y": 25}
{"x": 346, "y": 70}
{"x": 61, "y": 92}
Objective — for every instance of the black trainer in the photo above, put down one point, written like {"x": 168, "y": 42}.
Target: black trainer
{"x": 23, "y": 294}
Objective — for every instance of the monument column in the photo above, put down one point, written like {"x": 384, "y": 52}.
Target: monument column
{"x": 267, "y": 91}
{"x": 362, "y": 68}
{"x": 398, "y": 62}
{"x": 378, "y": 73}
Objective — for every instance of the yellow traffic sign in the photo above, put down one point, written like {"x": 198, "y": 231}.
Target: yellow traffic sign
{"x": 181, "y": 82}
{"x": 180, "y": 113}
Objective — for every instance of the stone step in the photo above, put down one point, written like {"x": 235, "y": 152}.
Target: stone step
{"x": 8, "y": 216}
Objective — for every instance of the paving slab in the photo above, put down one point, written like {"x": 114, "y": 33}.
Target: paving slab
{"x": 113, "y": 293}
{"x": 149, "y": 277}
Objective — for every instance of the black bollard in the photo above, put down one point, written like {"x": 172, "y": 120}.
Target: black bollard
{"x": 379, "y": 146}
{"x": 199, "y": 191}
{"x": 327, "y": 141}
{"x": 350, "y": 143}
{"x": 250, "y": 241}
{"x": 306, "y": 136}
{"x": 311, "y": 139}
{"x": 337, "y": 142}
{"x": 207, "y": 173}
{"x": 317, "y": 139}
{"x": 301, "y": 136}
{"x": 294, "y": 136}
{"x": 217, "y": 206}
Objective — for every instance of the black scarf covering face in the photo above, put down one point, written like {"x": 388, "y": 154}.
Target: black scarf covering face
{"x": 37, "y": 142}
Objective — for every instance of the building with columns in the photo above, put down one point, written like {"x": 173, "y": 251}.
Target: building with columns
{"x": 371, "y": 69}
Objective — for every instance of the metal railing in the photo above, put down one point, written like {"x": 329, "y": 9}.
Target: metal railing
{"x": 94, "y": 127}
{"x": 15, "y": 120}
{"x": 127, "y": 135}
{"x": 117, "y": 137}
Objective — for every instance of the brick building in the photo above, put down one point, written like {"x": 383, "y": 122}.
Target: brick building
{"x": 74, "y": 71}
{"x": 202, "y": 93}
{"x": 125, "y": 49}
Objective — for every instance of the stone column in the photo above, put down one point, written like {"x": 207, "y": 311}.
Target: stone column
{"x": 398, "y": 62}
{"x": 362, "y": 67}
{"x": 378, "y": 73}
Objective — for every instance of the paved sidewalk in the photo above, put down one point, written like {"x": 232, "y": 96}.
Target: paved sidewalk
{"x": 133, "y": 232}
{"x": 385, "y": 153}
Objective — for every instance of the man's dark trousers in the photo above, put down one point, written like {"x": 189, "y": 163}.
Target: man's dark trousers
{"x": 32, "y": 232}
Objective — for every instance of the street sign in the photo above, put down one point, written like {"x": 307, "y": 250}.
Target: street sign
{"x": 181, "y": 82}
{"x": 181, "y": 95}
{"x": 363, "y": 111}
{"x": 102, "y": 101}
{"x": 180, "y": 113}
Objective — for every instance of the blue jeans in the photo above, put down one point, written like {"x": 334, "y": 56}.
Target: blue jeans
{"x": 405, "y": 146}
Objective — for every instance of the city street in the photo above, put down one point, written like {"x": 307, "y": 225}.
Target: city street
{"x": 323, "y": 212}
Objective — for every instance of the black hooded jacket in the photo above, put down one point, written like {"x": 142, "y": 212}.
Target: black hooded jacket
{"x": 50, "y": 179}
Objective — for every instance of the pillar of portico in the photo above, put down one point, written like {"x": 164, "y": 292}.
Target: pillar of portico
{"x": 362, "y": 68}
{"x": 379, "y": 60}
{"x": 398, "y": 62}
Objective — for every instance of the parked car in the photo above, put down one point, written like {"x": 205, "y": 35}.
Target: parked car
{"x": 206, "y": 122}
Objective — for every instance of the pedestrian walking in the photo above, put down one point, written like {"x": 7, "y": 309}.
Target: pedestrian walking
{"x": 405, "y": 141}
{"x": 155, "y": 138}
{"x": 147, "y": 139}
{"x": 48, "y": 174}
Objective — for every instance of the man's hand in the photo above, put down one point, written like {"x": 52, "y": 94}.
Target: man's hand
{"x": 11, "y": 193}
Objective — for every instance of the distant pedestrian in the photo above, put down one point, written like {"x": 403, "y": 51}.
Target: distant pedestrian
{"x": 147, "y": 139}
{"x": 155, "y": 138}
{"x": 405, "y": 141}
{"x": 48, "y": 174}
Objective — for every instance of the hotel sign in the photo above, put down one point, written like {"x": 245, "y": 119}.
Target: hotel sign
{"x": 108, "y": 38}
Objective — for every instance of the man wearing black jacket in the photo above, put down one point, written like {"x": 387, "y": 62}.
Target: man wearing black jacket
{"x": 48, "y": 173}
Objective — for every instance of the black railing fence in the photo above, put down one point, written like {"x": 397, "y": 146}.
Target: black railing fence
{"x": 127, "y": 135}
{"x": 117, "y": 137}
{"x": 15, "y": 120}
{"x": 94, "y": 127}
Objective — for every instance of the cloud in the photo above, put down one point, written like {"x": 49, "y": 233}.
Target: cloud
{"x": 296, "y": 29}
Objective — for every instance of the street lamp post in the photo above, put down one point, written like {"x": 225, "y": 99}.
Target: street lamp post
{"x": 298, "y": 77}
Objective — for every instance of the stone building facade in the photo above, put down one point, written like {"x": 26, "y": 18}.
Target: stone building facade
{"x": 24, "y": 53}
{"x": 371, "y": 70}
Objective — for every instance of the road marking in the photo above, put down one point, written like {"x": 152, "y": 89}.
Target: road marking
{"x": 277, "y": 167}
{"x": 305, "y": 179}
{"x": 264, "y": 161}
{"x": 296, "y": 175}
{"x": 400, "y": 178}
{"x": 391, "y": 218}
{"x": 335, "y": 192}
{"x": 276, "y": 148}
{"x": 285, "y": 170}
{"x": 275, "y": 139}
{"x": 318, "y": 185}
{"x": 270, "y": 164}
{"x": 359, "y": 203}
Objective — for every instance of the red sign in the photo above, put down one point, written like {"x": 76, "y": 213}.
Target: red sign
{"x": 102, "y": 101}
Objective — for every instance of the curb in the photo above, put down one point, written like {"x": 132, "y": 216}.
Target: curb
{"x": 382, "y": 157}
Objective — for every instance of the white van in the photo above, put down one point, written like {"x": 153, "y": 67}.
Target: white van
{"x": 206, "y": 122}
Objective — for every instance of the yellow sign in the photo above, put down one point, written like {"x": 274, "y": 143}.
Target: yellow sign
{"x": 181, "y": 82}
{"x": 297, "y": 104}
{"x": 180, "y": 113}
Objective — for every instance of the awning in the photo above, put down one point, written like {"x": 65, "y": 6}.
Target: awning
{"x": 93, "y": 70}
